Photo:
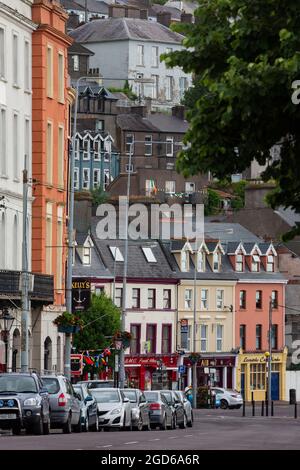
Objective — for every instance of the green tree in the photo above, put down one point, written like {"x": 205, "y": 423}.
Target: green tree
{"x": 99, "y": 196}
{"x": 245, "y": 57}
{"x": 212, "y": 203}
{"x": 102, "y": 320}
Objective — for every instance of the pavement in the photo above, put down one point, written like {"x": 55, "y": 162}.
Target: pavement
{"x": 213, "y": 429}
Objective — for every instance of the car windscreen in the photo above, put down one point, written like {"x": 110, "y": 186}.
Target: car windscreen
{"x": 99, "y": 385}
{"x": 151, "y": 397}
{"x": 79, "y": 391}
{"x": 168, "y": 396}
{"x": 51, "y": 384}
{"x": 14, "y": 383}
{"x": 106, "y": 396}
{"x": 131, "y": 394}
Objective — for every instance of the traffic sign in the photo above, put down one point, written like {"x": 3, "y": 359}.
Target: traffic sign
{"x": 181, "y": 369}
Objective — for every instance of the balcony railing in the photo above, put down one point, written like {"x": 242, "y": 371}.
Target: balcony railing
{"x": 41, "y": 286}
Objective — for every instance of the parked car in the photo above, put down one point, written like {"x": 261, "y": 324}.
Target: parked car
{"x": 24, "y": 403}
{"x": 140, "y": 416}
{"x": 65, "y": 408}
{"x": 161, "y": 413}
{"x": 97, "y": 383}
{"x": 89, "y": 415}
{"x": 187, "y": 407}
{"x": 228, "y": 398}
{"x": 179, "y": 416}
{"x": 114, "y": 409}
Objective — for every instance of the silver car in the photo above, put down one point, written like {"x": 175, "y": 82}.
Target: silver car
{"x": 187, "y": 407}
{"x": 97, "y": 383}
{"x": 114, "y": 409}
{"x": 65, "y": 409}
{"x": 161, "y": 413}
{"x": 89, "y": 409}
{"x": 140, "y": 412}
{"x": 228, "y": 398}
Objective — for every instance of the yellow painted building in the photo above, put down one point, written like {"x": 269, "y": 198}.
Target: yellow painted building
{"x": 252, "y": 375}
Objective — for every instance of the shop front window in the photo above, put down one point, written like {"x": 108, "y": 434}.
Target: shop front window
{"x": 257, "y": 376}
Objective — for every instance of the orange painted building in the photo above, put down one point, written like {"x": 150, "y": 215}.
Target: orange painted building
{"x": 51, "y": 100}
{"x": 259, "y": 281}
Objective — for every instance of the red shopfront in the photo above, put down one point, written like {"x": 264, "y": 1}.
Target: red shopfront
{"x": 219, "y": 368}
{"x": 150, "y": 372}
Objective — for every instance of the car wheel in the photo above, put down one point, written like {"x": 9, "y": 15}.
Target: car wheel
{"x": 16, "y": 430}
{"x": 67, "y": 427}
{"x": 46, "y": 427}
{"x": 78, "y": 427}
{"x": 224, "y": 404}
{"x": 183, "y": 424}
{"x": 95, "y": 427}
{"x": 139, "y": 425}
{"x": 163, "y": 425}
{"x": 147, "y": 427}
{"x": 38, "y": 427}
{"x": 238, "y": 407}
{"x": 174, "y": 422}
{"x": 85, "y": 426}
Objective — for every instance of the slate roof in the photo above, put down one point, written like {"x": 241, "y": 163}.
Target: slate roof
{"x": 167, "y": 123}
{"x": 120, "y": 29}
{"x": 71, "y": 5}
{"x": 138, "y": 266}
{"x": 79, "y": 49}
{"x": 95, "y": 269}
{"x": 95, "y": 6}
{"x": 156, "y": 8}
{"x": 135, "y": 122}
{"x": 219, "y": 230}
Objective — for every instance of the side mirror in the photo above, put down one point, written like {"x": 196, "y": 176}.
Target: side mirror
{"x": 88, "y": 398}
{"x": 43, "y": 391}
{"x": 126, "y": 400}
{"x": 76, "y": 395}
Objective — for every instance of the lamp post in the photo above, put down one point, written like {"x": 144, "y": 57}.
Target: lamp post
{"x": 7, "y": 320}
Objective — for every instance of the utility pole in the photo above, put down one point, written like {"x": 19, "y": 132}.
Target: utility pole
{"x": 194, "y": 331}
{"x": 25, "y": 278}
{"x": 67, "y": 364}
{"x": 123, "y": 314}
{"x": 270, "y": 352}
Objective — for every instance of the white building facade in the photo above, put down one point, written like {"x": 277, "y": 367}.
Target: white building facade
{"x": 130, "y": 49}
{"x": 16, "y": 28}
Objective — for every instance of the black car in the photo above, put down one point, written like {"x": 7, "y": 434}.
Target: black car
{"x": 24, "y": 403}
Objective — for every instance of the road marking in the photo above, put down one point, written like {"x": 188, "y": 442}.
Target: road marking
{"x": 78, "y": 449}
{"x": 133, "y": 442}
{"x": 174, "y": 437}
{"x": 101, "y": 447}
{"x": 188, "y": 435}
{"x": 150, "y": 440}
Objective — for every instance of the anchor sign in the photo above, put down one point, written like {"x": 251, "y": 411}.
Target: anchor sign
{"x": 80, "y": 296}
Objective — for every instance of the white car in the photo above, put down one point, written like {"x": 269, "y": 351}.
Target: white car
{"x": 114, "y": 409}
{"x": 228, "y": 398}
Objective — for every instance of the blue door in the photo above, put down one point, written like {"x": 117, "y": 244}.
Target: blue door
{"x": 275, "y": 386}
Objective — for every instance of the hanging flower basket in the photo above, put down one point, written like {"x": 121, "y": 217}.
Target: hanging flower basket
{"x": 124, "y": 337}
{"x": 194, "y": 357}
{"x": 68, "y": 323}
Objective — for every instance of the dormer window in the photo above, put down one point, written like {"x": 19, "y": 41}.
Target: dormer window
{"x": 86, "y": 258}
{"x": 270, "y": 263}
{"x": 201, "y": 261}
{"x": 216, "y": 262}
{"x": 255, "y": 263}
{"x": 184, "y": 261}
{"x": 239, "y": 263}
{"x": 116, "y": 253}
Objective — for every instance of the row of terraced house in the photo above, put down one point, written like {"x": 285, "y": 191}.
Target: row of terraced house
{"x": 234, "y": 282}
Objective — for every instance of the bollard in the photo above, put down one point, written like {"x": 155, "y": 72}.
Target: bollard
{"x": 244, "y": 408}
{"x": 272, "y": 408}
{"x": 267, "y": 408}
{"x": 262, "y": 408}
{"x": 253, "y": 408}
{"x": 295, "y": 412}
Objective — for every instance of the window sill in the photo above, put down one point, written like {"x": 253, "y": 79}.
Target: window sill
{"x": 16, "y": 180}
{"x": 17, "y": 87}
{"x": 5, "y": 177}
{"x": 62, "y": 102}
{"x": 28, "y": 92}
{"x": 3, "y": 79}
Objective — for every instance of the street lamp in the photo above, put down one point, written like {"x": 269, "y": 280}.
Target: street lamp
{"x": 7, "y": 320}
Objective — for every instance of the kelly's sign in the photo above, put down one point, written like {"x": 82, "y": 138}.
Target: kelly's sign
{"x": 81, "y": 294}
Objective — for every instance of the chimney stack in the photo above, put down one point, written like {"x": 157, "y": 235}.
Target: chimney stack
{"x": 73, "y": 21}
{"x": 186, "y": 17}
{"x": 164, "y": 18}
{"x": 116, "y": 11}
{"x": 179, "y": 112}
{"x": 144, "y": 14}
